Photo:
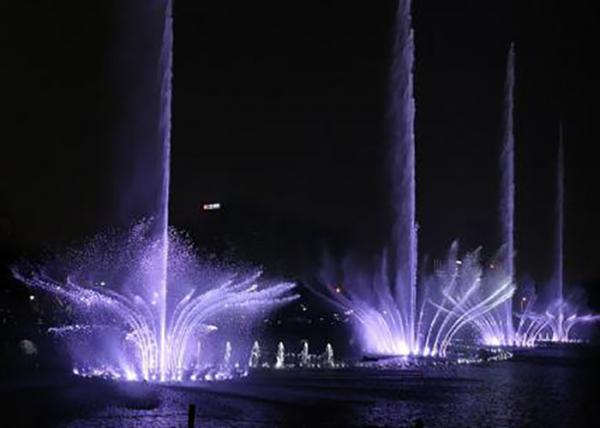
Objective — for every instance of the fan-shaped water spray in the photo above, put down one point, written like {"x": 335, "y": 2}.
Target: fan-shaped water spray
{"x": 393, "y": 314}
{"x": 117, "y": 313}
{"x": 144, "y": 294}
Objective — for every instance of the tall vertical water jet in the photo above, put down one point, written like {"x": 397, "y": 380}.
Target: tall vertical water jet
{"x": 383, "y": 299}
{"x": 128, "y": 324}
{"x": 400, "y": 126}
{"x": 558, "y": 333}
{"x": 507, "y": 199}
{"x": 563, "y": 313}
{"x": 166, "y": 76}
{"x": 496, "y": 327}
{"x": 560, "y": 194}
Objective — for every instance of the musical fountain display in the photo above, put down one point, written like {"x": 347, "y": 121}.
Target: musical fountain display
{"x": 395, "y": 312}
{"x": 142, "y": 304}
{"x": 562, "y": 313}
{"x": 495, "y": 327}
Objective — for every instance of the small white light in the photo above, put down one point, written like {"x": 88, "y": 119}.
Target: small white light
{"x": 31, "y": 297}
{"x": 212, "y": 206}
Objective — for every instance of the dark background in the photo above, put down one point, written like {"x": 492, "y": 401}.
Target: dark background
{"x": 277, "y": 113}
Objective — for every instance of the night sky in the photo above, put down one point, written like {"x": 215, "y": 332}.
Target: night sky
{"x": 280, "y": 108}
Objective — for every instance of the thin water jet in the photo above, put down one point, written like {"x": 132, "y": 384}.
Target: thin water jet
{"x": 562, "y": 314}
{"x": 496, "y": 327}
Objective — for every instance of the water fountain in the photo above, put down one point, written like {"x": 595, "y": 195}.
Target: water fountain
{"x": 142, "y": 301}
{"x": 395, "y": 314}
{"x": 530, "y": 324}
{"x": 255, "y": 354}
{"x": 562, "y": 314}
{"x": 304, "y": 355}
{"x": 496, "y": 326}
{"x": 227, "y": 356}
{"x": 329, "y": 358}
{"x": 107, "y": 285}
{"x": 162, "y": 217}
{"x": 401, "y": 116}
{"x": 280, "y": 356}
{"x": 555, "y": 322}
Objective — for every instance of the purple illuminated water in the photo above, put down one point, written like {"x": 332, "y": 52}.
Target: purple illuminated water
{"x": 507, "y": 204}
{"x": 401, "y": 116}
{"x": 112, "y": 310}
{"x": 166, "y": 71}
{"x": 142, "y": 305}
{"x": 395, "y": 314}
{"x": 497, "y": 327}
{"x": 560, "y": 221}
{"x": 555, "y": 321}
{"x": 562, "y": 314}
{"x": 488, "y": 395}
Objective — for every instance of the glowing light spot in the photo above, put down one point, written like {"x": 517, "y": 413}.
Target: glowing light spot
{"x": 130, "y": 375}
{"x": 211, "y": 206}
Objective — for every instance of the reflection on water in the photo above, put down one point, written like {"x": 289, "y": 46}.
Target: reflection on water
{"x": 540, "y": 388}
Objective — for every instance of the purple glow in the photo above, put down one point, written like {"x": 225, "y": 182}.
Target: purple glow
{"x": 555, "y": 322}
{"x": 391, "y": 318}
{"x": 143, "y": 304}
{"x": 166, "y": 68}
{"x": 560, "y": 220}
{"x": 115, "y": 329}
{"x": 401, "y": 115}
{"x": 496, "y": 327}
{"x": 562, "y": 315}
{"x": 457, "y": 293}
{"x": 531, "y": 325}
